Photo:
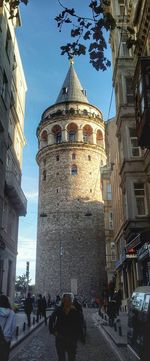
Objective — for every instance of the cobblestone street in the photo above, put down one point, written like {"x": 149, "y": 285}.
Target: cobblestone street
{"x": 41, "y": 345}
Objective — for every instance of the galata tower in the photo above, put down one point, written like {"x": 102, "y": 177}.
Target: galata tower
{"x": 70, "y": 235}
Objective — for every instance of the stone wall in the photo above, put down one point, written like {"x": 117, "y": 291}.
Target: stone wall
{"x": 70, "y": 240}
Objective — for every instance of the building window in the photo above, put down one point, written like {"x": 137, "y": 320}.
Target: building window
{"x": 135, "y": 150}
{"x": 4, "y": 87}
{"x": 125, "y": 50}
{"x": 113, "y": 251}
{"x": 5, "y": 216}
{"x": 57, "y": 158}
{"x": 73, "y": 156}
{"x": 121, "y": 7}
{"x": 90, "y": 190}
{"x": 74, "y": 170}
{"x": 89, "y": 157}
{"x": 109, "y": 194}
{"x": 110, "y": 220}
{"x": 8, "y": 44}
{"x": 139, "y": 192}
{"x": 129, "y": 90}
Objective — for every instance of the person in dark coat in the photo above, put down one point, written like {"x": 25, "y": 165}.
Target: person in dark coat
{"x": 39, "y": 307}
{"x": 7, "y": 327}
{"x": 44, "y": 306}
{"x": 65, "y": 324}
{"x": 28, "y": 308}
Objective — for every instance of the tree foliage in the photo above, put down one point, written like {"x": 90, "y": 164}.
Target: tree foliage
{"x": 21, "y": 283}
{"x": 91, "y": 30}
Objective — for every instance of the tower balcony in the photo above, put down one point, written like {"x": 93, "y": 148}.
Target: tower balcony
{"x": 15, "y": 193}
{"x": 142, "y": 101}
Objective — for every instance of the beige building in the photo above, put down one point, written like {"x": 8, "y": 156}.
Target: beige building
{"x": 70, "y": 237}
{"x": 12, "y": 107}
{"x": 131, "y": 73}
{"x": 110, "y": 217}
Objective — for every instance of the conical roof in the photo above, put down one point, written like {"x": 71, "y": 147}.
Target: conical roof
{"x": 72, "y": 89}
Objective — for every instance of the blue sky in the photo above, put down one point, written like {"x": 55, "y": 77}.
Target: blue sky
{"x": 45, "y": 70}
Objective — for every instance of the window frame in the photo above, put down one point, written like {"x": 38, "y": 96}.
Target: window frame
{"x": 140, "y": 196}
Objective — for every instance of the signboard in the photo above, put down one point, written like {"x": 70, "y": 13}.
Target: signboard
{"x": 129, "y": 255}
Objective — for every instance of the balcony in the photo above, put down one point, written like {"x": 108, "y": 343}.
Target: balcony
{"x": 15, "y": 193}
{"x": 142, "y": 101}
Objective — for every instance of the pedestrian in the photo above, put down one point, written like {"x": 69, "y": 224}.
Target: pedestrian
{"x": 28, "y": 308}
{"x": 111, "y": 312}
{"x": 65, "y": 324}
{"x": 44, "y": 306}
{"x": 39, "y": 308}
{"x": 7, "y": 327}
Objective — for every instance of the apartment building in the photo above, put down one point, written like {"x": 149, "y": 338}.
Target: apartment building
{"x": 131, "y": 81}
{"x": 12, "y": 107}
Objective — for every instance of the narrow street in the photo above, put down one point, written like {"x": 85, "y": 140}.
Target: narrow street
{"x": 40, "y": 346}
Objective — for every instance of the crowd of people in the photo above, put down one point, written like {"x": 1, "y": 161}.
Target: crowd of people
{"x": 66, "y": 322}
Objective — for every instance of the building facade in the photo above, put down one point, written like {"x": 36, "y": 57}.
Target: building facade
{"x": 131, "y": 84}
{"x": 70, "y": 237}
{"x": 12, "y": 106}
{"x": 109, "y": 211}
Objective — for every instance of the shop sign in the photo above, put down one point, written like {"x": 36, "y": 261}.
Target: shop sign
{"x": 130, "y": 255}
{"x": 144, "y": 251}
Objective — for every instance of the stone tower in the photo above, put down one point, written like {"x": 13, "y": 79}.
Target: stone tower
{"x": 70, "y": 236}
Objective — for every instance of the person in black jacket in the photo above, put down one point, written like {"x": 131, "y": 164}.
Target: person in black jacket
{"x": 28, "y": 308}
{"x": 65, "y": 324}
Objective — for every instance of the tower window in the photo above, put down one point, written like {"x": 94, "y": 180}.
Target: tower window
{"x": 90, "y": 190}
{"x": 73, "y": 156}
{"x": 74, "y": 170}
{"x": 72, "y": 136}
{"x": 65, "y": 90}
{"x": 57, "y": 158}
{"x": 89, "y": 157}
{"x": 44, "y": 175}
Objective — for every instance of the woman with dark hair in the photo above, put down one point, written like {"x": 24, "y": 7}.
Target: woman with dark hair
{"x": 7, "y": 327}
{"x": 65, "y": 324}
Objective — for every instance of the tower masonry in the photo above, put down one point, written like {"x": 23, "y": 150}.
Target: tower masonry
{"x": 70, "y": 235}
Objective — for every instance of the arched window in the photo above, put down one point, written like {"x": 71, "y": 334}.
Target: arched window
{"x": 56, "y": 130}
{"x": 44, "y": 138}
{"x": 74, "y": 170}
{"x": 71, "y": 110}
{"x": 85, "y": 112}
{"x": 73, "y": 156}
{"x": 72, "y": 132}
{"x": 99, "y": 137}
{"x": 44, "y": 175}
{"x": 87, "y": 134}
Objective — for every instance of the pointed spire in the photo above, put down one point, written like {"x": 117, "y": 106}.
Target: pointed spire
{"x": 72, "y": 89}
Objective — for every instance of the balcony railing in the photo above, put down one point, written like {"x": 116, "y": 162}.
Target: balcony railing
{"x": 15, "y": 193}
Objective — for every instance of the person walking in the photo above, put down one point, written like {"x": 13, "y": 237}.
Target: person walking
{"x": 39, "y": 307}
{"x": 65, "y": 324}
{"x": 28, "y": 308}
{"x": 44, "y": 306}
{"x": 7, "y": 327}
